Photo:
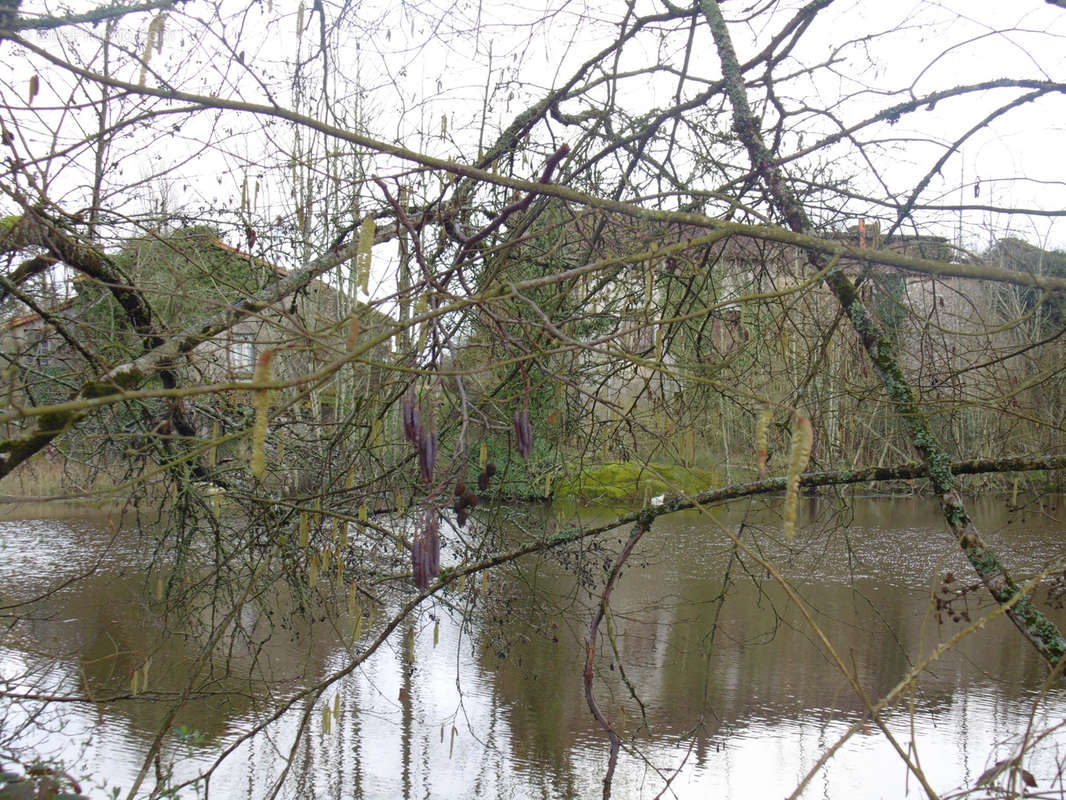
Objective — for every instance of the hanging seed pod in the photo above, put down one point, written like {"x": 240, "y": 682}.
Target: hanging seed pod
{"x": 523, "y": 433}
{"x": 362, "y": 258}
{"x": 353, "y": 333}
{"x": 425, "y": 551}
{"x": 802, "y": 440}
{"x": 762, "y": 427}
{"x": 518, "y": 429}
{"x": 212, "y": 453}
{"x": 419, "y": 569}
{"x": 412, "y": 419}
{"x": 485, "y": 476}
{"x": 261, "y": 403}
{"x": 467, "y": 500}
{"x": 427, "y": 456}
{"x": 528, "y": 432}
{"x": 432, "y": 528}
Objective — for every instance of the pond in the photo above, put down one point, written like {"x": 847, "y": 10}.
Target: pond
{"x": 481, "y": 693}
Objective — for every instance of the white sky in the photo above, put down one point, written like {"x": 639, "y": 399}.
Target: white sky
{"x": 404, "y": 67}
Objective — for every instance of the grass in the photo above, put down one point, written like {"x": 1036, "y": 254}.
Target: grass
{"x": 631, "y": 481}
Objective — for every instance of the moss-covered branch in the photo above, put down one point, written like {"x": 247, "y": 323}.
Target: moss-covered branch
{"x": 102, "y": 13}
{"x": 841, "y": 477}
{"x": 35, "y": 229}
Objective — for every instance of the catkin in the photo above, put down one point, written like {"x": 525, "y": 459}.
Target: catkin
{"x": 762, "y": 429}
{"x": 799, "y": 455}
{"x": 153, "y": 41}
{"x": 212, "y": 451}
{"x": 353, "y": 333}
{"x": 261, "y": 403}
{"x": 366, "y": 244}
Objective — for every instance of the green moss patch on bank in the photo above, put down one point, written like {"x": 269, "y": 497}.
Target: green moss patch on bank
{"x": 633, "y": 481}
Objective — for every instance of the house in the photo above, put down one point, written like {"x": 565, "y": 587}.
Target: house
{"x": 187, "y": 274}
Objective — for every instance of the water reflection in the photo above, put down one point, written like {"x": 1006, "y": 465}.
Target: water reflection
{"x": 481, "y": 695}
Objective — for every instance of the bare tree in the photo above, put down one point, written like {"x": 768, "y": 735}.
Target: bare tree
{"x": 397, "y": 262}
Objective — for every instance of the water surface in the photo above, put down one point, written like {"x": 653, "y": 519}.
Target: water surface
{"x": 481, "y": 693}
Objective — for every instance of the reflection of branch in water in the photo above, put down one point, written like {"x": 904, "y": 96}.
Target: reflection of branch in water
{"x": 637, "y": 531}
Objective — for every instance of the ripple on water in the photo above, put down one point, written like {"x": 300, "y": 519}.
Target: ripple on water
{"x": 55, "y": 549}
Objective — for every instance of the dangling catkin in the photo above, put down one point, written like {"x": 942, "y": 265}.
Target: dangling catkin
{"x": 353, "y": 333}
{"x": 362, "y": 259}
{"x": 762, "y": 428}
{"x": 800, "y": 454}
{"x": 261, "y": 403}
{"x": 212, "y": 452}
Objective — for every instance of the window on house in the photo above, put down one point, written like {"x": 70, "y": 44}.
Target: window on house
{"x": 45, "y": 347}
{"x": 242, "y": 352}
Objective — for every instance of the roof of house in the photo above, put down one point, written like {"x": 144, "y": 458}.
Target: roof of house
{"x": 33, "y": 316}
{"x": 215, "y": 242}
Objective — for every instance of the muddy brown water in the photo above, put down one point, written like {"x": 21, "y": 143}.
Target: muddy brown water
{"x": 739, "y": 695}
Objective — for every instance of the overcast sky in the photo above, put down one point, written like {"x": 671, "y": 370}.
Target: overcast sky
{"x": 444, "y": 81}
